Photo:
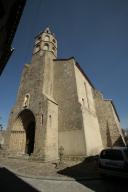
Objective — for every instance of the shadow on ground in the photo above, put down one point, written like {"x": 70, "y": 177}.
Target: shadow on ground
{"x": 88, "y": 168}
{"x": 10, "y": 182}
{"x": 87, "y": 174}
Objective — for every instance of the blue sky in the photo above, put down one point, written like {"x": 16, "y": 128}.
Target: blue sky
{"x": 95, "y": 32}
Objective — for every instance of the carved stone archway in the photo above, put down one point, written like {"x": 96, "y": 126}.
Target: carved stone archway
{"x": 23, "y": 133}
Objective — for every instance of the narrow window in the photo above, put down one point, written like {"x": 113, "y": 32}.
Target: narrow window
{"x": 37, "y": 48}
{"x": 54, "y": 40}
{"x": 26, "y": 100}
{"x": 39, "y": 38}
{"x": 86, "y": 93}
{"x": 38, "y": 45}
{"x": 42, "y": 119}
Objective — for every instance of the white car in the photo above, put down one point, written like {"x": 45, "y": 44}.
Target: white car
{"x": 114, "y": 161}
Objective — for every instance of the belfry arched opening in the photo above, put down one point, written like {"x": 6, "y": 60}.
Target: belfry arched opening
{"x": 23, "y": 133}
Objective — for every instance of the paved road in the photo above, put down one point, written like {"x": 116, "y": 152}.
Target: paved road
{"x": 10, "y": 182}
{"x": 111, "y": 185}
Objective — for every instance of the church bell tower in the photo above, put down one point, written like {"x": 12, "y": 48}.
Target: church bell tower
{"x": 33, "y": 122}
{"x": 45, "y": 42}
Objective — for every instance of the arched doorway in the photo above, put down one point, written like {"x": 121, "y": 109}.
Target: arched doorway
{"x": 30, "y": 137}
{"x": 23, "y": 133}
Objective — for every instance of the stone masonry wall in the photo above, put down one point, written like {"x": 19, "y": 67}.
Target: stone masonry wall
{"x": 65, "y": 93}
{"x": 109, "y": 126}
{"x": 32, "y": 82}
{"x": 70, "y": 123}
{"x": 91, "y": 126}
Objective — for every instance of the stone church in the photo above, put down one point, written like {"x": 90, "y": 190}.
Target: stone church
{"x": 58, "y": 108}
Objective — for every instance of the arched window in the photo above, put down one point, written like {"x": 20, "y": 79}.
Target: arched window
{"x": 53, "y": 48}
{"x": 39, "y": 38}
{"x": 47, "y": 38}
{"x": 37, "y": 48}
{"x": 54, "y": 40}
{"x": 46, "y": 47}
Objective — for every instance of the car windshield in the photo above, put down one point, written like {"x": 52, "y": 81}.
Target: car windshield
{"x": 112, "y": 154}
